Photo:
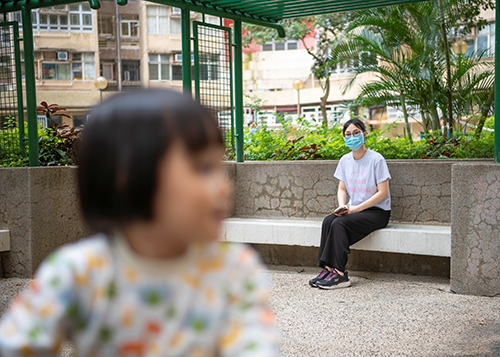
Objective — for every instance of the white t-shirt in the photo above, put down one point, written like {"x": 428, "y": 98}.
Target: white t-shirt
{"x": 362, "y": 176}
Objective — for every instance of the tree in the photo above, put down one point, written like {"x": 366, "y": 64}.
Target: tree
{"x": 326, "y": 28}
{"x": 412, "y": 66}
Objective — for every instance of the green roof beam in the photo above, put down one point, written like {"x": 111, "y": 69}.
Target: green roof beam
{"x": 278, "y": 5}
{"x": 304, "y": 10}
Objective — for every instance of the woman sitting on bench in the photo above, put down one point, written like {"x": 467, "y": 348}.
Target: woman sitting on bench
{"x": 364, "y": 177}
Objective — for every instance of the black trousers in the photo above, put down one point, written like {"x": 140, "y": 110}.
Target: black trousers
{"x": 339, "y": 233}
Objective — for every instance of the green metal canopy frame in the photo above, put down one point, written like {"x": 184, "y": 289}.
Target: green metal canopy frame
{"x": 259, "y": 12}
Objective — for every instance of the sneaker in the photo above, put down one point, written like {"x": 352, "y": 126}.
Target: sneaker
{"x": 334, "y": 280}
{"x": 320, "y": 276}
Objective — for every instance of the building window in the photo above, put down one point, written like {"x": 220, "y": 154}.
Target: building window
{"x": 80, "y": 119}
{"x": 74, "y": 17}
{"x": 83, "y": 66}
{"x": 177, "y": 72}
{"x": 348, "y": 66}
{"x": 130, "y": 25}
{"x": 108, "y": 71}
{"x": 80, "y": 17}
{"x": 175, "y": 25}
{"x": 484, "y": 41}
{"x": 274, "y": 45}
{"x": 157, "y": 19}
{"x": 80, "y": 67}
{"x": 106, "y": 25}
{"x": 131, "y": 71}
{"x": 59, "y": 71}
{"x": 159, "y": 67}
{"x": 214, "y": 20}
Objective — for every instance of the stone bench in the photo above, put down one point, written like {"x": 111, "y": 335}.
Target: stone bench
{"x": 432, "y": 240}
{"x": 4, "y": 241}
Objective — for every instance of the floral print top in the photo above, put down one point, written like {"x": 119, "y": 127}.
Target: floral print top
{"x": 111, "y": 302}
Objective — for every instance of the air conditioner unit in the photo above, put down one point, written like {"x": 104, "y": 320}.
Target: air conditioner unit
{"x": 62, "y": 56}
{"x": 176, "y": 10}
{"x": 126, "y": 75}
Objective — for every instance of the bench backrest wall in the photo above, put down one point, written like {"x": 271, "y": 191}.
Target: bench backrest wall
{"x": 420, "y": 189}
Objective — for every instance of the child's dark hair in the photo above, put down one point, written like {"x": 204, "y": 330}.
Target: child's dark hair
{"x": 358, "y": 123}
{"x": 122, "y": 145}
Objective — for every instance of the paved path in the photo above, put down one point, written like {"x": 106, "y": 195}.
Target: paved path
{"x": 379, "y": 315}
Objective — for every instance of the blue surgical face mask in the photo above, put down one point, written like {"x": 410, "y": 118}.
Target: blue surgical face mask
{"x": 354, "y": 142}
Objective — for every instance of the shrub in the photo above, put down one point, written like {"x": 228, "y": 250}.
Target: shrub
{"x": 56, "y": 146}
{"x": 311, "y": 141}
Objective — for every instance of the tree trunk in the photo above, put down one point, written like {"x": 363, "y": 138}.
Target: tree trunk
{"x": 484, "y": 114}
{"x": 435, "y": 118}
{"x": 425, "y": 122}
{"x": 405, "y": 115}
{"x": 324, "y": 99}
{"x": 448, "y": 70}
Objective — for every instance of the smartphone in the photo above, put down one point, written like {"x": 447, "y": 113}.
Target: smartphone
{"x": 340, "y": 209}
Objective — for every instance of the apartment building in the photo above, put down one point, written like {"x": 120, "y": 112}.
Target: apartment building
{"x": 74, "y": 44}
{"x": 271, "y": 69}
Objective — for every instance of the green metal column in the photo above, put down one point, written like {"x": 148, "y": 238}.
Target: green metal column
{"x": 186, "y": 50}
{"x": 497, "y": 88}
{"x": 238, "y": 90}
{"x": 29, "y": 64}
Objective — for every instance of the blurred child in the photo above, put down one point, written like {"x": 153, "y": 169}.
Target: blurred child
{"x": 154, "y": 281}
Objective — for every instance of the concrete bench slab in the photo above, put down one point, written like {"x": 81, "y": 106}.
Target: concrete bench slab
{"x": 4, "y": 241}
{"x": 395, "y": 238}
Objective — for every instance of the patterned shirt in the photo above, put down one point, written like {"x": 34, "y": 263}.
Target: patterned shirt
{"x": 109, "y": 301}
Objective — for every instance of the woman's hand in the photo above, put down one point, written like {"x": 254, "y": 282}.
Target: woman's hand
{"x": 353, "y": 209}
{"x": 341, "y": 211}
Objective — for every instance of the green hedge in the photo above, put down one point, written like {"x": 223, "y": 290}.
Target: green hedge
{"x": 309, "y": 141}
{"x": 56, "y": 146}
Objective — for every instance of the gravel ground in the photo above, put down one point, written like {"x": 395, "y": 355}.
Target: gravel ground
{"x": 382, "y": 315}
{"x": 379, "y": 315}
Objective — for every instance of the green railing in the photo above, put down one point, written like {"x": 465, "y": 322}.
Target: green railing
{"x": 213, "y": 75}
{"x": 12, "y": 140}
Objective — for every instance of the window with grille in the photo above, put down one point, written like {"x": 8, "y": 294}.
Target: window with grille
{"x": 106, "y": 25}
{"x": 209, "y": 66}
{"x": 131, "y": 71}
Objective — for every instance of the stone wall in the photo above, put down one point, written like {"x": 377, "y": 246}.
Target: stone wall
{"x": 420, "y": 190}
{"x": 39, "y": 206}
{"x": 475, "y": 229}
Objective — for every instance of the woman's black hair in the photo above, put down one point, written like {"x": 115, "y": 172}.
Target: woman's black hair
{"x": 358, "y": 123}
{"x": 125, "y": 139}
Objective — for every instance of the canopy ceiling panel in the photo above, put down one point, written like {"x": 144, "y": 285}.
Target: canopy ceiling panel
{"x": 275, "y": 10}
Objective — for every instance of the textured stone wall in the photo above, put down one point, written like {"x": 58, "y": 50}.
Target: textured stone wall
{"x": 475, "y": 229}
{"x": 40, "y": 208}
{"x": 40, "y": 205}
{"x": 420, "y": 190}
